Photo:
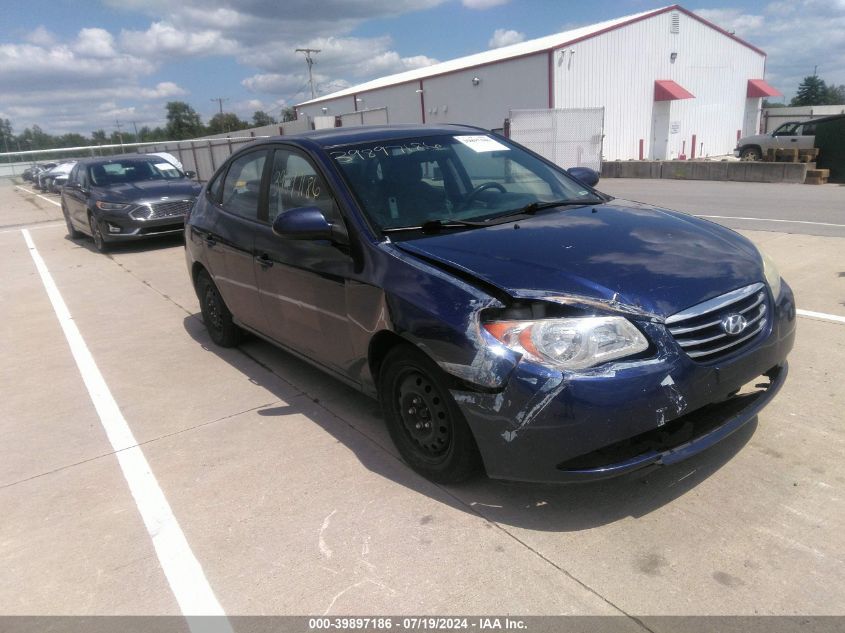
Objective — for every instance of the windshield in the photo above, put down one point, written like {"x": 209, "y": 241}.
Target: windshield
{"x": 117, "y": 172}
{"x": 477, "y": 177}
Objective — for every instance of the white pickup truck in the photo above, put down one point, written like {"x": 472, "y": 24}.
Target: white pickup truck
{"x": 795, "y": 134}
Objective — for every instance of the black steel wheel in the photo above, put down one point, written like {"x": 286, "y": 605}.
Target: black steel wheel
{"x": 215, "y": 313}
{"x": 424, "y": 421}
{"x": 72, "y": 233}
{"x": 97, "y": 234}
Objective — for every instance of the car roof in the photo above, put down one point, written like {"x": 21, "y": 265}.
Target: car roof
{"x": 371, "y": 133}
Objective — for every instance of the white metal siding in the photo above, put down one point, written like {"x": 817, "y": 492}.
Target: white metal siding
{"x": 507, "y": 85}
{"x": 617, "y": 70}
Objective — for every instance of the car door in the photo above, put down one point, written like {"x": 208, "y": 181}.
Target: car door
{"x": 76, "y": 197}
{"x": 303, "y": 282}
{"x": 787, "y": 135}
{"x": 230, "y": 236}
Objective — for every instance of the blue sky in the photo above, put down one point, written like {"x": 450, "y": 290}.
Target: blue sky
{"x": 81, "y": 65}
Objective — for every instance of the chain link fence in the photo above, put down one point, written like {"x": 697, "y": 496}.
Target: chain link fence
{"x": 569, "y": 137}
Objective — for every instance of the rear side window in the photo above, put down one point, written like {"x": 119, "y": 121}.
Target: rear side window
{"x": 242, "y": 186}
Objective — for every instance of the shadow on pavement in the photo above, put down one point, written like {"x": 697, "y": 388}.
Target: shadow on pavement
{"x": 355, "y": 420}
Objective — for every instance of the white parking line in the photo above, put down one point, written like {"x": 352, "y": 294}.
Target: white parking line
{"x": 184, "y": 574}
{"x": 33, "y": 227}
{"x": 734, "y": 217}
{"x": 58, "y": 204}
{"x": 821, "y": 315}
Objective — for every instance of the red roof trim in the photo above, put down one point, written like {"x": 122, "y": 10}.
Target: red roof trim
{"x": 759, "y": 88}
{"x": 551, "y": 50}
{"x": 668, "y": 90}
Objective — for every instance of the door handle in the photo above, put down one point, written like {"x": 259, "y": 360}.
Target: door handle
{"x": 264, "y": 260}
{"x": 210, "y": 241}
{"x": 794, "y": 140}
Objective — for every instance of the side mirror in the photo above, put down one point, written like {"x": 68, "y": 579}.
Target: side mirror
{"x": 190, "y": 174}
{"x": 308, "y": 223}
{"x": 589, "y": 177}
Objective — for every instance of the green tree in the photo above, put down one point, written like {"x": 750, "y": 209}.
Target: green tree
{"x": 182, "y": 121}
{"x": 226, "y": 122}
{"x": 261, "y": 118}
{"x": 288, "y": 114}
{"x": 835, "y": 95}
{"x": 6, "y": 134}
{"x": 812, "y": 91}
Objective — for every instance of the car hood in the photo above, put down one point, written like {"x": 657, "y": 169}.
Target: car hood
{"x": 649, "y": 260}
{"x": 755, "y": 139}
{"x": 148, "y": 190}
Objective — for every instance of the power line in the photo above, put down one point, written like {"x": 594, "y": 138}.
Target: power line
{"x": 310, "y": 61}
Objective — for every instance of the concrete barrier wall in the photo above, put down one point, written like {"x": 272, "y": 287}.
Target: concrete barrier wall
{"x": 736, "y": 171}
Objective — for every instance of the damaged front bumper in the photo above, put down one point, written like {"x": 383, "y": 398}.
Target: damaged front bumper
{"x": 556, "y": 427}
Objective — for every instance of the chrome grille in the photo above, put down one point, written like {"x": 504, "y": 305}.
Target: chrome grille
{"x": 170, "y": 209}
{"x": 701, "y": 331}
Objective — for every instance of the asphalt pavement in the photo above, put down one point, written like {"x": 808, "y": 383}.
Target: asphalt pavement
{"x": 754, "y": 206}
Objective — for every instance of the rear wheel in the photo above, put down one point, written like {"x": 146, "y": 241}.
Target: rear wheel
{"x": 97, "y": 234}
{"x": 424, "y": 422}
{"x": 215, "y": 313}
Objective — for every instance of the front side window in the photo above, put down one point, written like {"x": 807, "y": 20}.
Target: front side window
{"x": 787, "y": 129}
{"x": 295, "y": 183}
{"x": 466, "y": 177}
{"x": 242, "y": 186}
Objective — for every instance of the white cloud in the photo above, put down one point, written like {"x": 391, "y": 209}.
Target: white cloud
{"x": 41, "y": 37}
{"x": 505, "y": 37}
{"x": 796, "y": 36}
{"x": 95, "y": 43}
{"x": 483, "y": 4}
{"x": 163, "y": 40}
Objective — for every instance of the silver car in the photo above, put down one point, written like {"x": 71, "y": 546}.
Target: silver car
{"x": 794, "y": 134}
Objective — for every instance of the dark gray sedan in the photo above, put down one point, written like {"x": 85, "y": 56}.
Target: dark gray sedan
{"x": 124, "y": 198}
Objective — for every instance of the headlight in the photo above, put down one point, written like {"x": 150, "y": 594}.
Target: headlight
{"x": 575, "y": 343}
{"x": 770, "y": 272}
{"x": 111, "y": 206}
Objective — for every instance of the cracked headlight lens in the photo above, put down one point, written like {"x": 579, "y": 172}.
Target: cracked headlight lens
{"x": 575, "y": 343}
{"x": 770, "y": 272}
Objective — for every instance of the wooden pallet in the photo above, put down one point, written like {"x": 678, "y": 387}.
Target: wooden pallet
{"x": 791, "y": 155}
{"x": 817, "y": 176}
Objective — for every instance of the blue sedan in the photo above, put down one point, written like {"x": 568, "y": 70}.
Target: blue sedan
{"x": 509, "y": 317}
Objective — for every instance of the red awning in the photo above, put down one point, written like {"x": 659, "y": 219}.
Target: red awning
{"x": 759, "y": 88}
{"x": 668, "y": 90}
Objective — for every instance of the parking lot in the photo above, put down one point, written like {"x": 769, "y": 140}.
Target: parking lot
{"x": 288, "y": 497}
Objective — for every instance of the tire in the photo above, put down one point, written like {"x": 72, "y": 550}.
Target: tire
{"x": 423, "y": 419}
{"x": 215, "y": 314}
{"x": 72, "y": 233}
{"x": 97, "y": 235}
{"x": 751, "y": 153}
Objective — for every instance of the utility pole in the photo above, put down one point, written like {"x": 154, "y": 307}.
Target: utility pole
{"x": 119, "y": 134}
{"x": 220, "y": 101}
{"x": 310, "y": 61}
{"x": 135, "y": 126}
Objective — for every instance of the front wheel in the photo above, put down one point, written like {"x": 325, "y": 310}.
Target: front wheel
{"x": 215, "y": 313}
{"x": 72, "y": 233}
{"x": 97, "y": 234}
{"x": 423, "y": 419}
{"x": 751, "y": 153}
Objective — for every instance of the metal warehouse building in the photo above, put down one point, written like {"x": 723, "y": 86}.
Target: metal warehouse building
{"x": 661, "y": 84}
